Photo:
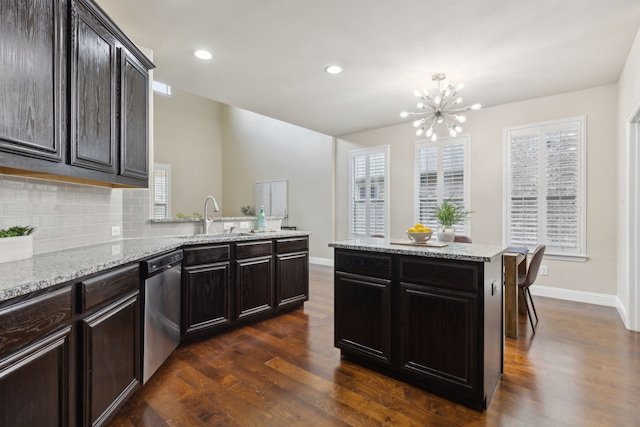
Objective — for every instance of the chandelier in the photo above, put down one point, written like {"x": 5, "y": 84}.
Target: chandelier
{"x": 440, "y": 109}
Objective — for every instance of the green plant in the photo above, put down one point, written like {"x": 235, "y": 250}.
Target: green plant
{"x": 247, "y": 210}
{"x": 196, "y": 215}
{"x": 449, "y": 213}
{"x": 17, "y": 231}
{"x": 180, "y": 215}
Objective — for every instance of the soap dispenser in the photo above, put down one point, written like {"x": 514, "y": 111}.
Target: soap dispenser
{"x": 262, "y": 222}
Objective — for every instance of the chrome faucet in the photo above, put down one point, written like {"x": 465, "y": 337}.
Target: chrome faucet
{"x": 208, "y": 218}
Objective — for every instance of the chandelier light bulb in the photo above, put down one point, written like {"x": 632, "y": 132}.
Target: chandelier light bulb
{"x": 439, "y": 109}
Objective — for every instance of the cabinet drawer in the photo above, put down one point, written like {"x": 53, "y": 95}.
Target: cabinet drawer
{"x": 29, "y": 320}
{"x": 206, "y": 254}
{"x": 292, "y": 245}
{"x": 363, "y": 263}
{"x": 253, "y": 249}
{"x": 461, "y": 275}
{"x": 106, "y": 287}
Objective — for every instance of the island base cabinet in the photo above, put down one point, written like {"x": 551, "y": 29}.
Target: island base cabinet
{"x": 439, "y": 339}
{"x": 363, "y": 316}
{"x": 435, "y": 323}
{"x": 39, "y": 375}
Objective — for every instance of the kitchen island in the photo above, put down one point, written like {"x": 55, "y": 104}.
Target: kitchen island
{"x": 429, "y": 316}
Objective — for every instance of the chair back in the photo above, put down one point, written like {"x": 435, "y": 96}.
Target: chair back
{"x": 534, "y": 265}
{"x": 461, "y": 239}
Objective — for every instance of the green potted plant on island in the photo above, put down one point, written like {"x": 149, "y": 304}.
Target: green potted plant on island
{"x": 16, "y": 243}
{"x": 447, "y": 215}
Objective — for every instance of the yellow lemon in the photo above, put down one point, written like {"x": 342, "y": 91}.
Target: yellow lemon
{"x": 412, "y": 230}
{"x": 427, "y": 230}
{"x": 418, "y": 226}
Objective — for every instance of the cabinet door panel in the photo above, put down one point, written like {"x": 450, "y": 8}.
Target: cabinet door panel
{"x": 292, "y": 279}
{"x": 34, "y": 383}
{"x": 363, "y": 315}
{"x": 207, "y": 299}
{"x": 94, "y": 72}
{"x": 438, "y": 335}
{"x": 254, "y": 286}
{"x": 111, "y": 366}
{"x": 133, "y": 121}
{"x": 33, "y": 104}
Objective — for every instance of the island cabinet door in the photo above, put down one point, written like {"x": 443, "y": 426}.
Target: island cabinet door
{"x": 438, "y": 337}
{"x": 363, "y": 316}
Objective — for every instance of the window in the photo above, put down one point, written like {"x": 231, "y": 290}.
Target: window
{"x": 545, "y": 184}
{"x": 368, "y": 192}
{"x": 161, "y": 191}
{"x": 441, "y": 174}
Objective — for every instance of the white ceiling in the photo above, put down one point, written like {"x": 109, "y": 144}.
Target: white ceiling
{"x": 269, "y": 56}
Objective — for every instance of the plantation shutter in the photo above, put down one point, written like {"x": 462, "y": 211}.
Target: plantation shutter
{"x": 368, "y": 181}
{"x": 545, "y": 185}
{"x": 523, "y": 199}
{"x": 161, "y": 182}
{"x": 562, "y": 196}
{"x": 441, "y": 175}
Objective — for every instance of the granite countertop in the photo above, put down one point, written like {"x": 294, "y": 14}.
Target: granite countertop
{"x": 19, "y": 278}
{"x": 458, "y": 251}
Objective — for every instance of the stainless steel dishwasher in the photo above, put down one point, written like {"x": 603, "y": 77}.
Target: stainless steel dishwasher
{"x": 161, "y": 309}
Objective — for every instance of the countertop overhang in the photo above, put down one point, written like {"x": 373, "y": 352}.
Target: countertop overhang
{"x": 49, "y": 269}
{"x": 457, "y": 251}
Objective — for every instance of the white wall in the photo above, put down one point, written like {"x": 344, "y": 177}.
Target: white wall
{"x": 188, "y": 136}
{"x": 257, "y": 148}
{"x": 598, "y": 273}
{"x": 628, "y": 286}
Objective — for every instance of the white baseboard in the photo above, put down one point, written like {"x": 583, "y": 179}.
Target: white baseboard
{"x": 321, "y": 261}
{"x": 577, "y": 296}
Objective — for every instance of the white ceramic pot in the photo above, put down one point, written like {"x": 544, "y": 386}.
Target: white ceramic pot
{"x": 446, "y": 234}
{"x": 16, "y": 248}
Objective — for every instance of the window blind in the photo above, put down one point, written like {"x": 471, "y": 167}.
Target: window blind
{"x": 161, "y": 193}
{"x": 441, "y": 171}
{"x": 545, "y": 186}
{"x": 368, "y": 177}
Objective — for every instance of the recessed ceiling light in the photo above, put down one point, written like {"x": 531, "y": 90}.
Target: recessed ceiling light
{"x": 203, "y": 54}
{"x": 333, "y": 69}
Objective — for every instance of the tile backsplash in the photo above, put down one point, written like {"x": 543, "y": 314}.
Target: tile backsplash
{"x": 68, "y": 215}
{"x": 65, "y": 215}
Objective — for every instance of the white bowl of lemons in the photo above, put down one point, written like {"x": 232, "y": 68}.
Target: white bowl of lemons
{"x": 419, "y": 233}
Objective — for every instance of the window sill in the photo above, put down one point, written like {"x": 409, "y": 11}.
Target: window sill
{"x": 569, "y": 258}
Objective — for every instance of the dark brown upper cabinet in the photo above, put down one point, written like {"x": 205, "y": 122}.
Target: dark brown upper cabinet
{"x": 75, "y": 103}
{"x": 33, "y": 107}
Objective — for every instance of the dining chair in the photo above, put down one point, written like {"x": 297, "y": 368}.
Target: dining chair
{"x": 462, "y": 239}
{"x": 526, "y": 280}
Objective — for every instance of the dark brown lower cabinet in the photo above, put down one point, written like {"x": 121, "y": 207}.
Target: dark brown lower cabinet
{"x": 206, "y": 289}
{"x": 435, "y": 323}
{"x": 363, "y": 316}
{"x": 254, "y": 286}
{"x": 110, "y": 337}
{"x": 292, "y": 272}
{"x": 36, "y": 349}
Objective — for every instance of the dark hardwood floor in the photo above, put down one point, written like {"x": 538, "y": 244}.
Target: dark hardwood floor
{"x": 581, "y": 368}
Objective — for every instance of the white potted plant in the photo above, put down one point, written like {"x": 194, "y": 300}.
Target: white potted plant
{"x": 16, "y": 243}
{"x": 448, "y": 214}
